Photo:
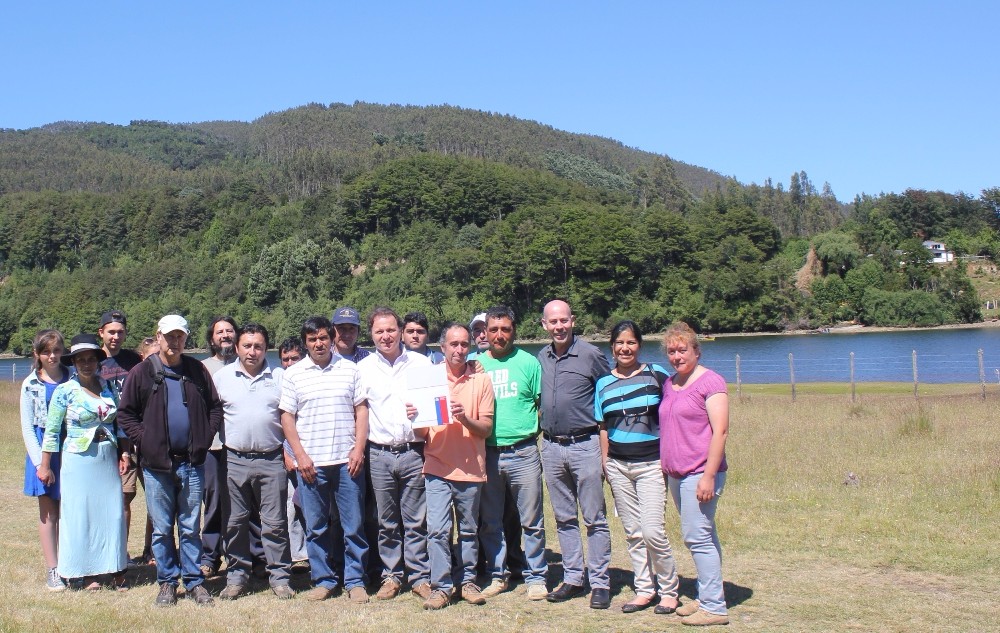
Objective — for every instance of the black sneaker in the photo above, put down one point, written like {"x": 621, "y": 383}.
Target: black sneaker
{"x": 167, "y": 596}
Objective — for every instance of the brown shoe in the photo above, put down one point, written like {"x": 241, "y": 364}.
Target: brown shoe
{"x": 688, "y": 608}
{"x": 317, "y": 594}
{"x": 357, "y": 595}
{"x": 422, "y": 591}
{"x": 231, "y": 592}
{"x": 472, "y": 594}
{"x": 283, "y": 592}
{"x": 704, "y": 618}
{"x": 388, "y": 590}
{"x": 437, "y": 600}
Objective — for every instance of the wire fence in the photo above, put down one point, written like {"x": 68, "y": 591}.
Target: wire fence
{"x": 975, "y": 369}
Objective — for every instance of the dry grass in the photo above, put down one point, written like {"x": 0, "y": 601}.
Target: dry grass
{"x": 905, "y": 544}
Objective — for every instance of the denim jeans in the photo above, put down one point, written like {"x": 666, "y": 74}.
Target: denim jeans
{"x": 442, "y": 497}
{"x": 640, "y": 492}
{"x": 296, "y": 522}
{"x": 335, "y": 486}
{"x": 516, "y": 474}
{"x": 170, "y": 496}
{"x": 701, "y": 537}
{"x": 574, "y": 478}
{"x": 398, "y": 481}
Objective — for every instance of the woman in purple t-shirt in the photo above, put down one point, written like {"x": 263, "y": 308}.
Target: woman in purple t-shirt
{"x": 694, "y": 423}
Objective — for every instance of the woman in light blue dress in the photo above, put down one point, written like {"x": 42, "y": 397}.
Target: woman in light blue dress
{"x": 91, "y": 522}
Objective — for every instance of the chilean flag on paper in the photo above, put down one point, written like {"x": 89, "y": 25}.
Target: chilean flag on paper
{"x": 441, "y": 408}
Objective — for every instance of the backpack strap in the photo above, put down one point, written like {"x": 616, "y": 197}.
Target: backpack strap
{"x": 155, "y": 368}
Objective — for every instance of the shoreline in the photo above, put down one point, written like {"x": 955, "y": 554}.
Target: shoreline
{"x": 658, "y": 336}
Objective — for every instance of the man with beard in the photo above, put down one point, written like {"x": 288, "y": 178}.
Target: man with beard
{"x": 112, "y": 330}
{"x": 221, "y": 339}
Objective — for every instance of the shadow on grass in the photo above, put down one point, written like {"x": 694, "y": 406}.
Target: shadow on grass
{"x": 735, "y": 594}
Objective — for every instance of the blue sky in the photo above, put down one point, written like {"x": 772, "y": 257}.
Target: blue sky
{"x": 868, "y": 96}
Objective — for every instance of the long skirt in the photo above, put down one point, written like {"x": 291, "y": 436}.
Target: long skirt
{"x": 92, "y": 515}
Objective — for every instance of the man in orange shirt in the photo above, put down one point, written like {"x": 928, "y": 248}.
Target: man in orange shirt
{"x": 455, "y": 469}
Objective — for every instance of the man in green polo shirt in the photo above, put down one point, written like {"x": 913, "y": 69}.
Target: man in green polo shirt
{"x": 513, "y": 465}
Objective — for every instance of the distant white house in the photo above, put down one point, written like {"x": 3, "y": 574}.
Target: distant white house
{"x": 941, "y": 254}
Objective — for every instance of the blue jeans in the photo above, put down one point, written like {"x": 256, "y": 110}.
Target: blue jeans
{"x": 517, "y": 474}
{"x": 398, "y": 481}
{"x": 442, "y": 497}
{"x": 170, "y": 496}
{"x": 574, "y": 477}
{"x": 701, "y": 537}
{"x": 334, "y": 485}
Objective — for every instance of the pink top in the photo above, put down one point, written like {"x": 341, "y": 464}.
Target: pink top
{"x": 685, "y": 432}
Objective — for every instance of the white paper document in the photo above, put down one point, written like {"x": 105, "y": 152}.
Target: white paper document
{"x": 427, "y": 390}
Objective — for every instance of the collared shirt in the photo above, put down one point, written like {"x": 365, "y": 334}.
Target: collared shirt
{"x": 322, "y": 399}
{"x": 452, "y": 451}
{"x": 252, "y": 419}
{"x": 384, "y": 386}
{"x": 568, "y": 387}
{"x": 359, "y": 354}
{"x": 213, "y": 365}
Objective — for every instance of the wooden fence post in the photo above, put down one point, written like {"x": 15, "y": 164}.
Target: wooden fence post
{"x": 853, "y": 393}
{"x": 982, "y": 373}
{"x": 739, "y": 380}
{"x": 791, "y": 373}
{"x": 915, "y": 382}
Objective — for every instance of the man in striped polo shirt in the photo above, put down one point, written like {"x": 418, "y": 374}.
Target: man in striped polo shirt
{"x": 325, "y": 419}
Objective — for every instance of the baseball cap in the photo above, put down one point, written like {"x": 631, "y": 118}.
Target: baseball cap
{"x": 172, "y": 322}
{"x": 113, "y": 316}
{"x": 476, "y": 319}
{"x": 346, "y": 315}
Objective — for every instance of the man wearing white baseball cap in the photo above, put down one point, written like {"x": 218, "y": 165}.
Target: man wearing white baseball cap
{"x": 171, "y": 412}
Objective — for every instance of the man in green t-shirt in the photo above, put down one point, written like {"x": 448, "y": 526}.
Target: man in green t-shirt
{"x": 513, "y": 464}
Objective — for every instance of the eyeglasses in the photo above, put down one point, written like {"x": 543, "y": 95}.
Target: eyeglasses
{"x": 148, "y": 340}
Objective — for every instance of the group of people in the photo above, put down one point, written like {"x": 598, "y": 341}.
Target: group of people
{"x": 324, "y": 453}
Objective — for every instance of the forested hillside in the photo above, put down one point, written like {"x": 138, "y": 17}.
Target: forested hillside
{"x": 448, "y": 211}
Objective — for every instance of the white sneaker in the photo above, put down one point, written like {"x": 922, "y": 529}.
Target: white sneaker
{"x": 496, "y": 587}
{"x": 537, "y": 591}
{"x": 53, "y": 581}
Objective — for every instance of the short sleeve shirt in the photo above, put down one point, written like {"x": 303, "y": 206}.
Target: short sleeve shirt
{"x": 517, "y": 381}
{"x": 685, "y": 432}
{"x": 322, "y": 399}
{"x": 452, "y": 452}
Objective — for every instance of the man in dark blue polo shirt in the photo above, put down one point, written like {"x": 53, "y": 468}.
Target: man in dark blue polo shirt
{"x": 571, "y": 455}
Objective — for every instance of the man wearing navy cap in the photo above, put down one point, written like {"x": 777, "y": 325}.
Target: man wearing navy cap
{"x": 347, "y": 324}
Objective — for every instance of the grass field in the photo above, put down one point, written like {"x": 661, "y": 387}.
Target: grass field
{"x": 907, "y": 543}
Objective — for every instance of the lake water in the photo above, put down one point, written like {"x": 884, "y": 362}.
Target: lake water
{"x": 942, "y": 356}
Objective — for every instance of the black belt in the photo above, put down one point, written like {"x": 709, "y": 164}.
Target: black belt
{"x": 271, "y": 454}
{"x": 398, "y": 448}
{"x": 516, "y": 446}
{"x": 179, "y": 457}
{"x": 571, "y": 438}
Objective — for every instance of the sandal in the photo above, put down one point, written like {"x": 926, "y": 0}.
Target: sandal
{"x": 93, "y": 585}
